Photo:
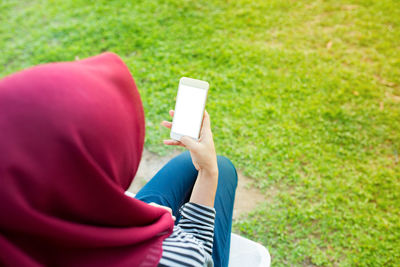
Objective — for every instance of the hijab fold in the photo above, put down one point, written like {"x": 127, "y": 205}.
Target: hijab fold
{"x": 71, "y": 139}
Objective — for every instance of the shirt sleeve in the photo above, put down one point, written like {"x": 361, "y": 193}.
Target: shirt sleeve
{"x": 198, "y": 220}
{"x": 191, "y": 242}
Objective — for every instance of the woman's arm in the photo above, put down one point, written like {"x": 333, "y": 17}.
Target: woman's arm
{"x": 205, "y": 188}
{"x": 204, "y": 159}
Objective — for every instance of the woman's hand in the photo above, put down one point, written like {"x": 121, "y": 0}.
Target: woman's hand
{"x": 163, "y": 207}
{"x": 202, "y": 151}
{"x": 204, "y": 159}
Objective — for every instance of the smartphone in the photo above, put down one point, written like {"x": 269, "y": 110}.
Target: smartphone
{"x": 189, "y": 108}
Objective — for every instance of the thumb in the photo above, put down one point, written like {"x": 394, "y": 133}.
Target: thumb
{"x": 188, "y": 142}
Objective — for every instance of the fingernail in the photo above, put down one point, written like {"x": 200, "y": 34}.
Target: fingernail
{"x": 174, "y": 218}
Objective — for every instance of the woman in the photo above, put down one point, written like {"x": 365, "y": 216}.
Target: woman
{"x": 71, "y": 138}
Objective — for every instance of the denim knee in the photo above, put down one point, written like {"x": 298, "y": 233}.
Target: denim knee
{"x": 184, "y": 158}
{"x": 229, "y": 171}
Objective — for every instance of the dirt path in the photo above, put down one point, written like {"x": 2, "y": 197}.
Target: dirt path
{"x": 247, "y": 198}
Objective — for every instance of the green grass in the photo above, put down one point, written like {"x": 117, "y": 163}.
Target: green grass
{"x": 304, "y": 98}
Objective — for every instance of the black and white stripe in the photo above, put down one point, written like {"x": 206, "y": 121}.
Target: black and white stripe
{"x": 191, "y": 242}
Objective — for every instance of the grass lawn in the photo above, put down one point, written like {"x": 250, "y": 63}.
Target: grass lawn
{"x": 304, "y": 98}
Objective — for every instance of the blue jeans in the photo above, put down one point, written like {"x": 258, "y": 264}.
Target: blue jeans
{"x": 172, "y": 187}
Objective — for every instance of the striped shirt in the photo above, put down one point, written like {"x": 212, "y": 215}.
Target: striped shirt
{"x": 191, "y": 242}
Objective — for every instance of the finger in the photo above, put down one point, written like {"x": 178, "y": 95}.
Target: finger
{"x": 161, "y": 206}
{"x": 173, "y": 143}
{"x": 167, "y": 124}
{"x": 206, "y": 119}
{"x": 167, "y": 208}
{"x": 206, "y": 123}
{"x": 154, "y": 204}
{"x": 188, "y": 142}
{"x": 171, "y": 112}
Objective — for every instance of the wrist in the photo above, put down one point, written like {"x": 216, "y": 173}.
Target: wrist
{"x": 210, "y": 172}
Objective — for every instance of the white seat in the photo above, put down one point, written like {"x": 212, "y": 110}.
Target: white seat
{"x": 245, "y": 252}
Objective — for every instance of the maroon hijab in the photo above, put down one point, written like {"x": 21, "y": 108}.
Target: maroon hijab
{"x": 71, "y": 138}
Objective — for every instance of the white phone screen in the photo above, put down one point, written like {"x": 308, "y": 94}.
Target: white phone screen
{"x": 189, "y": 110}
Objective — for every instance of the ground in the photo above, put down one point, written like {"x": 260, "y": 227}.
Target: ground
{"x": 304, "y": 99}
